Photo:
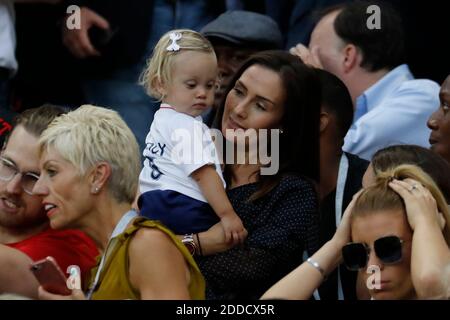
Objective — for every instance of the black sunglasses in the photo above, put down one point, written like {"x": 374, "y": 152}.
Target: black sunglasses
{"x": 388, "y": 250}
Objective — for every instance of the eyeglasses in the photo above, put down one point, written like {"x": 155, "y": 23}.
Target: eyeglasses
{"x": 388, "y": 250}
{"x": 8, "y": 171}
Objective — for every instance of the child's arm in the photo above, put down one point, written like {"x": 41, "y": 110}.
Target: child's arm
{"x": 212, "y": 188}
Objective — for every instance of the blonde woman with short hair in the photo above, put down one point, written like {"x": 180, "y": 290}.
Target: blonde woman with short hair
{"x": 89, "y": 163}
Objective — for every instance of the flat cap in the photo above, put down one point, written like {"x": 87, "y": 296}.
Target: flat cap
{"x": 245, "y": 28}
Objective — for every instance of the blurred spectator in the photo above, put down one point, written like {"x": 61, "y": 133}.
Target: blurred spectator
{"x": 296, "y": 17}
{"x": 424, "y": 22}
{"x": 340, "y": 176}
{"x": 439, "y": 123}
{"x": 8, "y": 61}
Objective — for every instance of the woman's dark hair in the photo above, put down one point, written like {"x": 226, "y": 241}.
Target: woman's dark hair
{"x": 433, "y": 164}
{"x": 299, "y": 141}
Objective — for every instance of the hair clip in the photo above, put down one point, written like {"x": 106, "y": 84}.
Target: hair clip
{"x": 174, "y": 37}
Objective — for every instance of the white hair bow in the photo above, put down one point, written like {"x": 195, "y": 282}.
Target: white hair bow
{"x": 174, "y": 37}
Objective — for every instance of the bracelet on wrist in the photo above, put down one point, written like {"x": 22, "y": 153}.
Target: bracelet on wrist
{"x": 188, "y": 241}
{"x": 316, "y": 265}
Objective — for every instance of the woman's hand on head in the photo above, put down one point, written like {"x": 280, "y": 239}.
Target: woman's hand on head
{"x": 419, "y": 202}
{"x": 343, "y": 232}
{"x": 45, "y": 295}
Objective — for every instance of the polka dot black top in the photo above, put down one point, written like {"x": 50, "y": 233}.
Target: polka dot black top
{"x": 280, "y": 225}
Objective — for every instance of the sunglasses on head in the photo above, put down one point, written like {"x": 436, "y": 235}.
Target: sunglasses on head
{"x": 388, "y": 250}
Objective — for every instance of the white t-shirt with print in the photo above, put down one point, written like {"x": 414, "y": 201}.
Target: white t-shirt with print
{"x": 177, "y": 145}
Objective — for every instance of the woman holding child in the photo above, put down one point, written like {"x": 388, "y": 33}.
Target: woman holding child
{"x": 273, "y": 92}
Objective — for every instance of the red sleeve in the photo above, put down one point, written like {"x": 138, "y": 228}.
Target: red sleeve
{"x": 68, "y": 247}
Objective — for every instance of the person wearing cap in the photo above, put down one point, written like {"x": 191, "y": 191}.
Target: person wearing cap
{"x": 235, "y": 35}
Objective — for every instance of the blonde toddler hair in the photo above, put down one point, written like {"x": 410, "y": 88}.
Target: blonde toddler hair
{"x": 159, "y": 66}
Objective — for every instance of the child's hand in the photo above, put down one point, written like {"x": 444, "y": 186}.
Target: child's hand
{"x": 235, "y": 232}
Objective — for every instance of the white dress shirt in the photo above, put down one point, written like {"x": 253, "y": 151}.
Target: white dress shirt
{"x": 394, "y": 110}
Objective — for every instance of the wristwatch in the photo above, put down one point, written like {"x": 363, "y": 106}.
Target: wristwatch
{"x": 188, "y": 241}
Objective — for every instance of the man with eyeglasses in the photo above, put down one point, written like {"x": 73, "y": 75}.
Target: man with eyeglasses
{"x": 25, "y": 234}
{"x": 9, "y": 171}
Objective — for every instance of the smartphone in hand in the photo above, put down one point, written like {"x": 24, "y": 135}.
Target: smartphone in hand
{"x": 50, "y": 276}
